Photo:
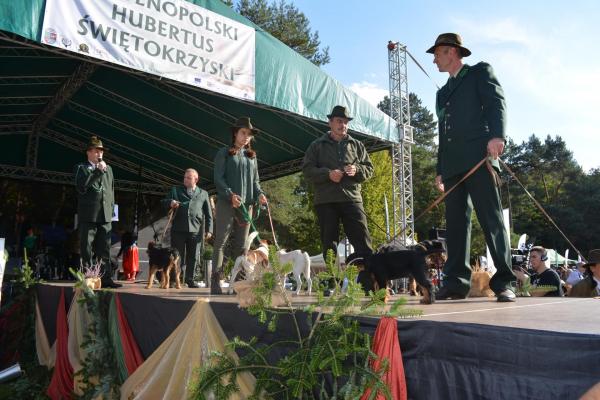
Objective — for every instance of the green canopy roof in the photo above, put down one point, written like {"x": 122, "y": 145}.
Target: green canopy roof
{"x": 52, "y": 100}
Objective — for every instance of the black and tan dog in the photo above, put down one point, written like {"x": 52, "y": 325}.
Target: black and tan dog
{"x": 396, "y": 261}
{"x": 165, "y": 260}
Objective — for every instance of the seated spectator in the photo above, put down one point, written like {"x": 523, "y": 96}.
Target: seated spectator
{"x": 543, "y": 275}
{"x": 575, "y": 275}
{"x": 590, "y": 285}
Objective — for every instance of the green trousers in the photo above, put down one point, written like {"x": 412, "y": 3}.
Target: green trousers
{"x": 189, "y": 245}
{"x": 94, "y": 240}
{"x": 477, "y": 192}
{"x": 228, "y": 220}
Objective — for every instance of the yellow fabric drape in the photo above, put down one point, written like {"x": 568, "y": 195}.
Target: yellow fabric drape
{"x": 79, "y": 320}
{"x": 167, "y": 372}
{"x": 46, "y": 354}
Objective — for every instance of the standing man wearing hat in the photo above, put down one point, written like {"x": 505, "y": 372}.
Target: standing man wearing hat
{"x": 95, "y": 203}
{"x": 237, "y": 181}
{"x": 336, "y": 164}
{"x": 471, "y": 118}
{"x": 192, "y": 221}
{"x": 590, "y": 285}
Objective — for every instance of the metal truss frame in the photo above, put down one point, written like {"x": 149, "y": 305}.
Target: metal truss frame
{"x": 63, "y": 178}
{"x": 62, "y": 96}
{"x": 402, "y": 199}
{"x": 77, "y": 145}
{"x": 83, "y": 134}
{"x": 203, "y": 106}
{"x": 154, "y": 140}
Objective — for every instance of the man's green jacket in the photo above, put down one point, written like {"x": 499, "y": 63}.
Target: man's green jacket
{"x": 95, "y": 193}
{"x": 194, "y": 211}
{"x": 471, "y": 110}
{"x": 325, "y": 154}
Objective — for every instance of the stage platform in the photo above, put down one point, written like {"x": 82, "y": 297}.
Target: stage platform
{"x": 573, "y": 315}
{"x": 536, "y": 348}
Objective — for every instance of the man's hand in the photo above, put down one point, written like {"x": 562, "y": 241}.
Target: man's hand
{"x": 262, "y": 199}
{"x": 350, "y": 170}
{"x": 207, "y": 236}
{"x": 336, "y": 175}
{"x": 101, "y": 166}
{"x": 236, "y": 200}
{"x": 495, "y": 147}
{"x": 439, "y": 184}
{"x": 174, "y": 204}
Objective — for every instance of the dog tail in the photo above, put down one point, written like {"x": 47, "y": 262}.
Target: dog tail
{"x": 249, "y": 241}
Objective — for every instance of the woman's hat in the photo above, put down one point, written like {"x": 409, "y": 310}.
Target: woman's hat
{"x": 450, "y": 39}
{"x": 243, "y": 122}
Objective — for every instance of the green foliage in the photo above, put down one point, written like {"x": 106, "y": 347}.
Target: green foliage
{"x": 328, "y": 345}
{"x": 550, "y": 173}
{"x": 284, "y": 21}
{"x": 19, "y": 336}
{"x": 32, "y": 385}
{"x": 99, "y": 373}
{"x": 290, "y": 201}
{"x": 26, "y": 276}
{"x": 375, "y": 192}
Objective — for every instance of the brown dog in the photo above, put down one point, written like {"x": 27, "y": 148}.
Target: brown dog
{"x": 165, "y": 260}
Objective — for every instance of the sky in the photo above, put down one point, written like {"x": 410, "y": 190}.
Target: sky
{"x": 545, "y": 54}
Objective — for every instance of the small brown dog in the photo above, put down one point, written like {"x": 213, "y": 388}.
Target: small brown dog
{"x": 164, "y": 259}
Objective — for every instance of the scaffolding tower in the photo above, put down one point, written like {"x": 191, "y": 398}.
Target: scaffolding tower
{"x": 402, "y": 187}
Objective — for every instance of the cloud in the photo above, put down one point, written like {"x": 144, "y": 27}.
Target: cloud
{"x": 371, "y": 92}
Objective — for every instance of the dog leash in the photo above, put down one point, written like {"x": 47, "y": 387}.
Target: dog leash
{"x": 249, "y": 220}
{"x": 539, "y": 206}
{"x": 171, "y": 214}
{"x": 440, "y": 198}
{"x": 272, "y": 228}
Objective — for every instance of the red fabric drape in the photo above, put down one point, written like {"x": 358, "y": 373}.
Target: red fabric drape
{"x": 61, "y": 385}
{"x": 131, "y": 351}
{"x": 386, "y": 345}
{"x": 131, "y": 261}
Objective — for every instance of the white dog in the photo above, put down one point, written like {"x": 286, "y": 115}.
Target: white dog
{"x": 301, "y": 264}
{"x": 249, "y": 260}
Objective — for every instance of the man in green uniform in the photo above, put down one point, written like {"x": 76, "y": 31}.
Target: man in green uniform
{"x": 472, "y": 118}
{"x": 95, "y": 203}
{"x": 192, "y": 221}
{"x": 336, "y": 164}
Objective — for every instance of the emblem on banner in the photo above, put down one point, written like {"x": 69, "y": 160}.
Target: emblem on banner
{"x": 50, "y": 36}
{"x": 66, "y": 42}
{"x": 84, "y": 48}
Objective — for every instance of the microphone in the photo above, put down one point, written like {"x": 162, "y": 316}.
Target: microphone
{"x": 99, "y": 161}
